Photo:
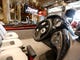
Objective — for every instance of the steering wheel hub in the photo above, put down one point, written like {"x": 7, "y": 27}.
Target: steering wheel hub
{"x": 43, "y": 30}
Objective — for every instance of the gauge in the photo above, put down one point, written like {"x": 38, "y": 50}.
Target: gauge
{"x": 57, "y": 22}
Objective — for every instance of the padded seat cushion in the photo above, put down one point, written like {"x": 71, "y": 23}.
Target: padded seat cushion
{"x": 7, "y": 44}
{"x": 13, "y": 54}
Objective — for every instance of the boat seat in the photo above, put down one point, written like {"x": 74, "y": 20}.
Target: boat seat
{"x": 7, "y": 35}
{"x": 13, "y": 54}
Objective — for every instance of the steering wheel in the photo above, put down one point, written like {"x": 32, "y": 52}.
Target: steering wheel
{"x": 56, "y": 39}
{"x": 59, "y": 40}
{"x": 42, "y": 30}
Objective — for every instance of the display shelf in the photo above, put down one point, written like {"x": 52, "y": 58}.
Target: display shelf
{"x": 20, "y": 27}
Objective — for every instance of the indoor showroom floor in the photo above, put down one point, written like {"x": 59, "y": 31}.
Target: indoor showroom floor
{"x": 40, "y": 48}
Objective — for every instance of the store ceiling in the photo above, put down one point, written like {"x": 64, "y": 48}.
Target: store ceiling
{"x": 40, "y": 4}
{"x": 47, "y": 3}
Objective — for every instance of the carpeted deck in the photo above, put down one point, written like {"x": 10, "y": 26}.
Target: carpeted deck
{"x": 38, "y": 47}
{"x": 27, "y": 38}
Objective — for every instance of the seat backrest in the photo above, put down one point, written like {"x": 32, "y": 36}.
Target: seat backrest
{"x": 0, "y": 40}
{"x": 3, "y": 29}
{"x": 2, "y": 36}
